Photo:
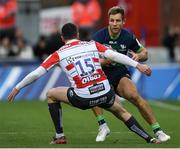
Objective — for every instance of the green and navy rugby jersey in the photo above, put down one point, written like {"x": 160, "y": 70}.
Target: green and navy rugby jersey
{"x": 124, "y": 42}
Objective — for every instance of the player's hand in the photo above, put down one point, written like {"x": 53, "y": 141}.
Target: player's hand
{"x": 144, "y": 69}
{"x": 13, "y": 94}
{"x": 134, "y": 56}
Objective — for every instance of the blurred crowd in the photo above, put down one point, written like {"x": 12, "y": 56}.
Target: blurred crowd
{"x": 20, "y": 47}
{"x": 86, "y": 14}
{"x": 169, "y": 41}
{"x": 12, "y": 40}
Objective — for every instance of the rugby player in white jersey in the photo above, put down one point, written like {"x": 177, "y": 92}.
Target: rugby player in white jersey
{"x": 90, "y": 87}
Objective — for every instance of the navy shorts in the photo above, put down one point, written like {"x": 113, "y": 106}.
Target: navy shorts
{"x": 114, "y": 74}
{"x": 103, "y": 101}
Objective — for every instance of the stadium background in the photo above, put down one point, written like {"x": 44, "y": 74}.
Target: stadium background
{"x": 146, "y": 18}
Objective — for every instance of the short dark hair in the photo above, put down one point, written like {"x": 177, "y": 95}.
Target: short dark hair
{"x": 69, "y": 31}
{"x": 115, "y": 10}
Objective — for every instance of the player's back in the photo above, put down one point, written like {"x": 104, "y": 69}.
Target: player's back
{"x": 80, "y": 61}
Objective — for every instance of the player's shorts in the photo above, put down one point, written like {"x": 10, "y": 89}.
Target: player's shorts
{"x": 103, "y": 101}
{"x": 114, "y": 74}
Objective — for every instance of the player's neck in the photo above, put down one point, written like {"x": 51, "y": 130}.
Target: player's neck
{"x": 70, "y": 41}
{"x": 113, "y": 36}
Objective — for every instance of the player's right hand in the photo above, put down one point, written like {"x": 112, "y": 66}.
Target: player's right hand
{"x": 13, "y": 94}
{"x": 144, "y": 69}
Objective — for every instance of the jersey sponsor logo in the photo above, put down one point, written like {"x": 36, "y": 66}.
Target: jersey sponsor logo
{"x": 98, "y": 101}
{"x": 123, "y": 46}
{"x": 72, "y": 59}
{"x": 71, "y": 94}
{"x": 96, "y": 88}
{"x": 90, "y": 78}
{"x": 112, "y": 42}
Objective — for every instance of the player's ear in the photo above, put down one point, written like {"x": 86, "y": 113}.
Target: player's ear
{"x": 124, "y": 21}
{"x": 62, "y": 38}
{"x": 78, "y": 35}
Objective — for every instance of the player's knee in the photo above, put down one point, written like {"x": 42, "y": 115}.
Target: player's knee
{"x": 114, "y": 108}
{"x": 50, "y": 95}
{"x": 132, "y": 96}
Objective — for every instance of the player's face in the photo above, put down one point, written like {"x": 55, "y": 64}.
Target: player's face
{"x": 115, "y": 23}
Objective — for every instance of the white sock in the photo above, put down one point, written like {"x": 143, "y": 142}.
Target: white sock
{"x": 59, "y": 135}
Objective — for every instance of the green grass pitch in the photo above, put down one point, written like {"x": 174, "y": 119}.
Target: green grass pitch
{"x": 27, "y": 124}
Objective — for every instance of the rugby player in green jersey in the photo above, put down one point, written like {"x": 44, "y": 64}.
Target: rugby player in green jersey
{"x": 118, "y": 75}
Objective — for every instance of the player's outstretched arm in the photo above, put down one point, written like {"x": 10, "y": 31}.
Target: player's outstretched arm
{"x": 123, "y": 59}
{"x": 30, "y": 78}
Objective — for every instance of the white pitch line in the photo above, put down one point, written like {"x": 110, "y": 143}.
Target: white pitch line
{"x": 165, "y": 106}
{"x": 172, "y": 86}
{"x": 10, "y": 80}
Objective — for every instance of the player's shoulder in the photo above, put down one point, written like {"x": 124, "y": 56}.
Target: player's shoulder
{"x": 100, "y": 34}
{"x": 102, "y": 31}
{"x": 63, "y": 47}
{"x": 127, "y": 33}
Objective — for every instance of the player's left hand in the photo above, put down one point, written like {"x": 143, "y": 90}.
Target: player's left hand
{"x": 13, "y": 94}
{"x": 134, "y": 56}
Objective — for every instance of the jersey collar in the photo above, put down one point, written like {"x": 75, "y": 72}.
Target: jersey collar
{"x": 72, "y": 40}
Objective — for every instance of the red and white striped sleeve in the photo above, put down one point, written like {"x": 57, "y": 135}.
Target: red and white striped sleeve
{"x": 50, "y": 61}
{"x": 101, "y": 47}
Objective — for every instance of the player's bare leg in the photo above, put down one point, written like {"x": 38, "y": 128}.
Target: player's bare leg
{"x": 55, "y": 96}
{"x": 128, "y": 90}
{"x": 131, "y": 122}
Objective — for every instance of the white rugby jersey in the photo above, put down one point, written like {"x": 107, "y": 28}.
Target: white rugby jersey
{"x": 80, "y": 61}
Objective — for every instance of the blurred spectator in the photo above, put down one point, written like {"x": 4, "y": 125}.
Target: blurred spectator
{"x": 169, "y": 41}
{"x": 40, "y": 49}
{"x": 85, "y": 14}
{"x": 19, "y": 35}
{"x": 5, "y": 47}
{"x": 22, "y": 50}
{"x": 54, "y": 40}
{"x": 8, "y": 10}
